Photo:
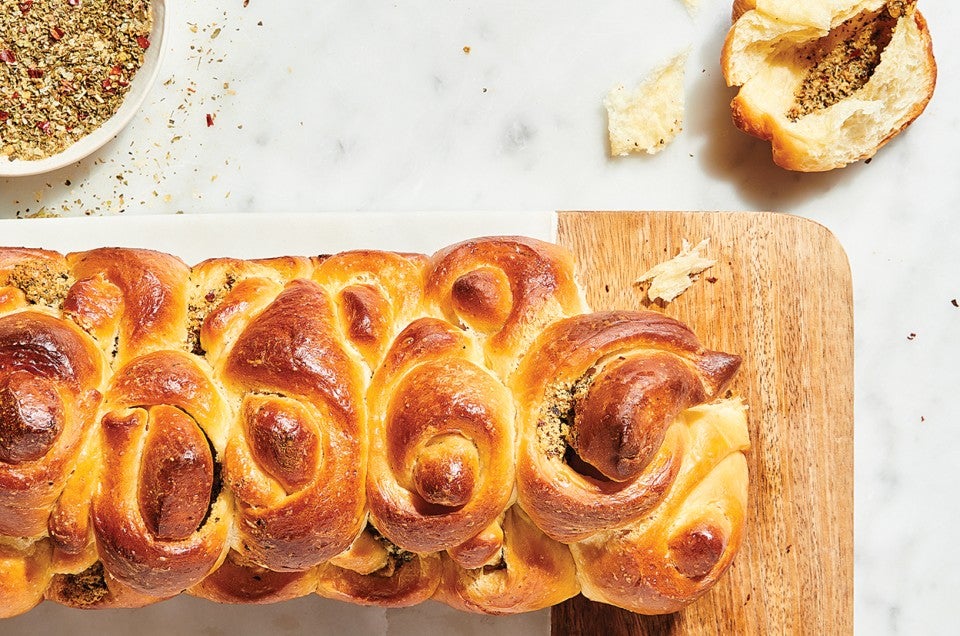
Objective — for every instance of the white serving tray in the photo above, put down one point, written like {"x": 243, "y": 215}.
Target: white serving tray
{"x": 194, "y": 238}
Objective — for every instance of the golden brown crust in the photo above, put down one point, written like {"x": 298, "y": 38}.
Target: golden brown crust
{"x": 153, "y": 288}
{"x": 376, "y": 294}
{"x": 677, "y": 552}
{"x": 474, "y": 283}
{"x": 95, "y": 305}
{"x": 238, "y": 580}
{"x": 11, "y": 257}
{"x": 621, "y": 420}
{"x": 288, "y": 362}
{"x": 436, "y": 419}
{"x": 159, "y": 517}
{"x": 740, "y": 7}
{"x": 565, "y": 378}
{"x": 407, "y": 582}
{"x": 533, "y": 572}
{"x": 71, "y": 532}
{"x": 24, "y": 577}
{"x": 156, "y": 549}
{"x": 49, "y": 380}
{"x": 350, "y": 425}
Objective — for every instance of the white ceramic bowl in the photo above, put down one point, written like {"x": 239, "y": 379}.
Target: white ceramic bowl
{"x": 142, "y": 81}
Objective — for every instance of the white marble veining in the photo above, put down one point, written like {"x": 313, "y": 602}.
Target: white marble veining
{"x": 362, "y": 105}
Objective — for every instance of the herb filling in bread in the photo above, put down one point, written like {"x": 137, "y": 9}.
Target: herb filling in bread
{"x": 86, "y": 588}
{"x": 555, "y": 428}
{"x": 396, "y": 556}
{"x": 200, "y": 306}
{"x": 843, "y": 61}
{"x": 41, "y": 283}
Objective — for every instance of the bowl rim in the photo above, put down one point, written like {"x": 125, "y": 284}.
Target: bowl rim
{"x": 98, "y": 138}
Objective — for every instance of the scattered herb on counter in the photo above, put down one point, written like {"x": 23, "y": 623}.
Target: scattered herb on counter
{"x": 66, "y": 68}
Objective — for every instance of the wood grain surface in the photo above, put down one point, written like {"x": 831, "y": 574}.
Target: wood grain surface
{"x": 780, "y": 295}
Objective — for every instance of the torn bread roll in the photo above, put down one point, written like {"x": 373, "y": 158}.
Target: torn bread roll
{"x": 827, "y": 83}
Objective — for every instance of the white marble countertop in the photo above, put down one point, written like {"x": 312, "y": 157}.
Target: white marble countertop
{"x": 358, "y": 105}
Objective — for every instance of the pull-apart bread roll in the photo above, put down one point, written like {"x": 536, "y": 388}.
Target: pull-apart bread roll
{"x": 375, "y": 427}
{"x": 827, "y": 82}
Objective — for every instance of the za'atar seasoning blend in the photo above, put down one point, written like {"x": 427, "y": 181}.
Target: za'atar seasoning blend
{"x": 65, "y": 68}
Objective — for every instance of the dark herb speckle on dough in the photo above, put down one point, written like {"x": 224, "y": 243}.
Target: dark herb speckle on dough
{"x": 844, "y": 61}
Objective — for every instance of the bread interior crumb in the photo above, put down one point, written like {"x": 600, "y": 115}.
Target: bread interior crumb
{"x": 649, "y": 117}
{"x": 671, "y": 278}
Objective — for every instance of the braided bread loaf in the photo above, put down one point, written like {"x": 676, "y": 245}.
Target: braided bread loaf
{"x": 376, "y": 427}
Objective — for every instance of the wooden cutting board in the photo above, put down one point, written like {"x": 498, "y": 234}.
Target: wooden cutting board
{"x": 780, "y": 295}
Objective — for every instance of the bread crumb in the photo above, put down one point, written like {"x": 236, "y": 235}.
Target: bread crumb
{"x": 671, "y": 278}
{"x": 649, "y": 117}
{"x": 692, "y": 6}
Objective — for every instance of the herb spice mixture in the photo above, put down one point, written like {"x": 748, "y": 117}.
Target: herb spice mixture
{"x": 65, "y": 68}
{"x": 843, "y": 62}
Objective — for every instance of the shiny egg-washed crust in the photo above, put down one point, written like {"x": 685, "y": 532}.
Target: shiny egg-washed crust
{"x": 374, "y": 427}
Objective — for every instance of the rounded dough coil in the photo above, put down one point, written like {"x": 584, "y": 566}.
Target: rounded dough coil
{"x": 375, "y": 427}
